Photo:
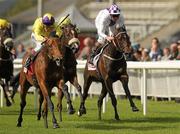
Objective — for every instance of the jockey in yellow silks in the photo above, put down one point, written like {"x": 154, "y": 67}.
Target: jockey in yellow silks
{"x": 74, "y": 42}
{"x": 4, "y": 24}
{"x": 42, "y": 29}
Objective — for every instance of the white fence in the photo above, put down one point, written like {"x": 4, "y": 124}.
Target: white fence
{"x": 159, "y": 79}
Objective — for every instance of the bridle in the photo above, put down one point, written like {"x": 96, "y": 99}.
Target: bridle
{"x": 116, "y": 42}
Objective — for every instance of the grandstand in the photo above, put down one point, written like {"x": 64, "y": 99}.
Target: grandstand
{"x": 141, "y": 18}
{"x": 144, "y": 18}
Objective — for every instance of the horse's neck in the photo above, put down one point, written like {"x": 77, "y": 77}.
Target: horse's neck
{"x": 4, "y": 53}
{"x": 112, "y": 51}
{"x": 64, "y": 40}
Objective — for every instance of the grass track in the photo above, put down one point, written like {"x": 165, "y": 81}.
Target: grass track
{"x": 162, "y": 118}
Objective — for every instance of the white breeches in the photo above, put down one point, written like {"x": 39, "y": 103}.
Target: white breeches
{"x": 37, "y": 43}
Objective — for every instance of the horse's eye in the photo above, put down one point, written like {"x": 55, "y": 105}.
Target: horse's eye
{"x": 62, "y": 27}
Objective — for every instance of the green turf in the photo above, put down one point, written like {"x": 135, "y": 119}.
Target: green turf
{"x": 162, "y": 118}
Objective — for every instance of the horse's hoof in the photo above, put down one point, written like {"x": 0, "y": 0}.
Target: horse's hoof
{"x": 117, "y": 118}
{"x": 55, "y": 126}
{"x": 8, "y": 103}
{"x": 38, "y": 118}
{"x": 135, "y": 109}
{"x": 71, "y": 111}
{"x": 18, "y": 125}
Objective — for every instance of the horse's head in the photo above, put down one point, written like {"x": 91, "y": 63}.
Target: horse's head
{"x": 122, "y": 42}
{"x": 54, "y": 50}
{"x": 6, "y": 39}
{"x": 70, "y": 32}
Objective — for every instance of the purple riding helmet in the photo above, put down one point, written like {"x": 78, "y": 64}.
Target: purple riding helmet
{"x": 48, "y": 19}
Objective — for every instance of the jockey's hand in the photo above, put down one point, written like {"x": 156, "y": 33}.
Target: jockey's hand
{"x": 109, "y": 38}
{"x": 45, "y": 38}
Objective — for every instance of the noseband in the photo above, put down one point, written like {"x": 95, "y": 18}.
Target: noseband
{"x": 117, "y": 42}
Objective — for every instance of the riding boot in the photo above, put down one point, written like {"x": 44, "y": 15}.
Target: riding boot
{"x": 95, "y": 51}
{"x": 28, "y": 62}
{"x": 92, "y": 55}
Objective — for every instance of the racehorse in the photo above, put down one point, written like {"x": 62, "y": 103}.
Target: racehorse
{"x": 6, "y": 62}
{"x": 69, "y": 64}
{"x": 111, "y": 67}
{"x": 48, "y": 72}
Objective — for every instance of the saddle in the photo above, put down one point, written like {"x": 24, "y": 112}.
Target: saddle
{"x": 96, "y": 59}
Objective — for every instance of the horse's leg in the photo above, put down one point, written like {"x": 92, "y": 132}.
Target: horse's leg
{"x": 14, "y": 91}
{"x": 45, "y": 113}
{"x": 15, "y": 84}
{"x": 46, "y": 91}
{"x": 124, "y": 80}
{"x": 87, "y": 83}
{"x": 69, "y": 102}
{"x": 40, "y": 104}
{"x": 23, "y": 92}
{"x": 109, "y": 88}
{"x": 60, "y": 96}
{"x": 100, "y": 100}
{"x": 7, "y": 94}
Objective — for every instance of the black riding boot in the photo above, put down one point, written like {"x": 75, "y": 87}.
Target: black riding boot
{"x": 28, "y": 62}
{"x": 92, "y": 55}
{"x": 96, "y": 50}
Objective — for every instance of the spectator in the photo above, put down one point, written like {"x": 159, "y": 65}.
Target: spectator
{"x": 145, "y": 55}
{"x": 174, "y": 51}
{"x": 137, "y": 55}
{"x": 155, "y": 52}
{"x": 178, "y": 56}
{"x": 20, "y": 51}
{"x": 88, "y": 44}
{"x": 166, "y": 54}
{"x": 13, "y": 52}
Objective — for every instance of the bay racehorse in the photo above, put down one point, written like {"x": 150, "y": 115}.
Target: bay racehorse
{"x": 111, "y": 67}
{"x": 71, "y": 42}
{"x": 6, "y": 62}
{"x": 48, "y": 72}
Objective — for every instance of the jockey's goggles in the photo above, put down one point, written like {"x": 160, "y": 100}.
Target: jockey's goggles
{"x": 115, "y": 15}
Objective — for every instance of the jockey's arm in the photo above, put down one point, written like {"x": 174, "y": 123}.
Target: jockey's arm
{"x": 38, "y": 35}
{"x": 58, "y": 31}
{"x": 38, "y": 30}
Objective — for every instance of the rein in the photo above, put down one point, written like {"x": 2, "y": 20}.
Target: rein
{"x": 114, "y": 43}
{"x": 1, "y": 59}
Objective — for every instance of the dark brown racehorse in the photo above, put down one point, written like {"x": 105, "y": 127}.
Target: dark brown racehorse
{"x": 48, "y": 72}
{"x": 6, "y": 62}
{"x": 111, "y": 67}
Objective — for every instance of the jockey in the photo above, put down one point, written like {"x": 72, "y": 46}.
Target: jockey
{"x": 73, "y": 43}
{"x": 42, "y": 29}
{"x": 63, "y": 22}
{"x": 4, "y": 24}
{"x": 106, "y": 22}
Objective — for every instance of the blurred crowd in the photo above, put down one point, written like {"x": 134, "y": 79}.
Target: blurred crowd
{"x": 139, "y": 53}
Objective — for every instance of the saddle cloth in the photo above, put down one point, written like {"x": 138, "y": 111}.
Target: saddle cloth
{"x": 30, "y": 70}
{"x": 96, "y": 59}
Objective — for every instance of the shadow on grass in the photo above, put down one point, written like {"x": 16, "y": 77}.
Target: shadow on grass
{"x": 147, "y": 120}
{"x": 96, "y": 126}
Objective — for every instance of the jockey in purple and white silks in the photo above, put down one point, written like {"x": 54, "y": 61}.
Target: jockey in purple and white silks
{"x": 106, "y": 22}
